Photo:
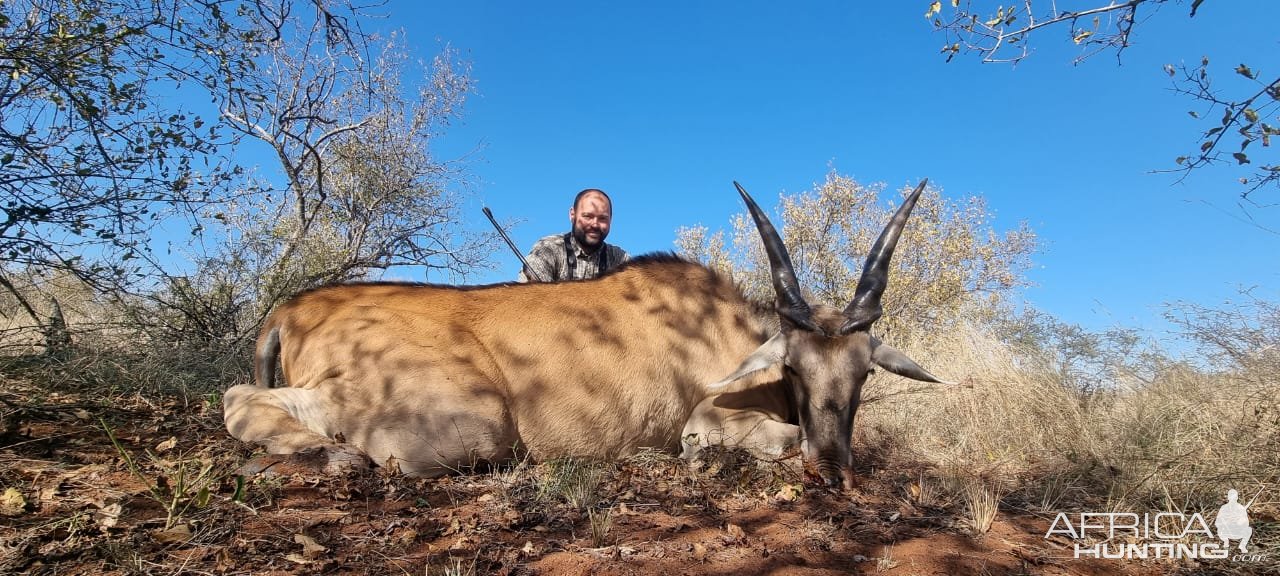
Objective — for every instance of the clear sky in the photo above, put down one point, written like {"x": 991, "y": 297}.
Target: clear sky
{"x": 664, "y": 104}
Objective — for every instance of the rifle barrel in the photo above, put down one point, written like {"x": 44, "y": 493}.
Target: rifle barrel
{"x": 527, "y": 269}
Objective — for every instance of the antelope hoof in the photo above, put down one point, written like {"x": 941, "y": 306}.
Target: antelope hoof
{"x": 322, "y": 460}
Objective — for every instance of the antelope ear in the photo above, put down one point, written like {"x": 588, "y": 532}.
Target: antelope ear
{"x": 893, "y": 360}
{"x": 768, "y": 354}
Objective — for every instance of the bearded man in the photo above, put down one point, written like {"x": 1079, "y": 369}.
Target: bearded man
{"x": 582, "y": 252}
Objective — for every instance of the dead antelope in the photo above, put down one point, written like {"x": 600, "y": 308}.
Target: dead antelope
{"x": 440, "y": 378}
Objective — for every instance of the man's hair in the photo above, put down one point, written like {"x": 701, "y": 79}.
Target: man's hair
{"x": 578, "y": 199}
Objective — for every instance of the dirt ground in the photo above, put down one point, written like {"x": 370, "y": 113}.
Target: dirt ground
{"x": 135, "y": 486}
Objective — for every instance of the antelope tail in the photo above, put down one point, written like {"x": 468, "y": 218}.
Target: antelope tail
{"x": 265, "y": 356}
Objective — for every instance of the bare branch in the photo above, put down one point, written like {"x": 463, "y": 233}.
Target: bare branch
{"x": 1003, "y": 37}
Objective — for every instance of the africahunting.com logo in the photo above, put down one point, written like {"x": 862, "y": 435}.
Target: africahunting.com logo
{"x": 1169, "y": 535}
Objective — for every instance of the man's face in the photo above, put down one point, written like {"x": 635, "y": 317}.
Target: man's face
{"x": 591, "y": 218}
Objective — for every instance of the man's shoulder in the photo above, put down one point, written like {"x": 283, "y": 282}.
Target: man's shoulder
{"x": 616, "y": 253}
{"x": 549, "y": 242}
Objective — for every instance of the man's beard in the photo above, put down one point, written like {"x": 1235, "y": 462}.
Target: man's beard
{"x": 580, "y": 234}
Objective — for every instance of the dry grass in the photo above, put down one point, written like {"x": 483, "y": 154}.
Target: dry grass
{"x": 981, "y": 504}
{"x": 886, "y": 562}
{"x": 1141, "y": 443}
{"x": 1176, "y": 442}
{"x": 116, "y": 348}
{"x": 21, "y": 334}
{"x": 601, "y": 520}
{"x": 573, "y": 480}
{"x": 929, "y": 492}
{"x": 1001, "y": 422}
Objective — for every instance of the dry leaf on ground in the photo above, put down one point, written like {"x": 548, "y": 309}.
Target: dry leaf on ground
{"x": 12, "y": 503}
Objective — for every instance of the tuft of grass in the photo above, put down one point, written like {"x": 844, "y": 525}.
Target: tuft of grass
{"x": 457, "y": 567}
{"x": 929, "y": 492}
{"x": 1052, "y": 490}
{"x": 575, "y": 481}
{"x": 601, "y": 521}
{"x": 886, "y": 562}
{"x": 124, "y": 556}
{"x": 512, "y": 483}
{"x": 981, "y": 504}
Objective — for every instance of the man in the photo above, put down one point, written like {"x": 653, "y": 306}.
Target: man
{"x": 1233, "y": 522}
{"x": 581, "y": 253}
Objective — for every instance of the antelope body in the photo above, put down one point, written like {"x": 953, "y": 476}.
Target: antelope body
{"x": 440, "y": 378}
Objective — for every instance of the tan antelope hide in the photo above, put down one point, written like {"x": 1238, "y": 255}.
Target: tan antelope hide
{"x": 442, "y": 378}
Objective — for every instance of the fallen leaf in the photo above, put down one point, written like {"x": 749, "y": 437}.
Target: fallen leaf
{"x": 406, "y": 536}
{"x": 12, "y": 503}
{"x": 789, "y": 493}
{"x": 166, "y": 445}
{"x": 296, "y": 558}
{"x": 176, "y": 535}
{"x": 83, "y": 414}
{"x": 485, "y": 498}
{"x": 463, "y": 543}
{"x": 310, "y": 548}
{"x": 108, "y": 516}
{"x": 92, "y": 471}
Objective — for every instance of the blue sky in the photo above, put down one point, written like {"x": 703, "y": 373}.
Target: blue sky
{"x": 663, "y": 104}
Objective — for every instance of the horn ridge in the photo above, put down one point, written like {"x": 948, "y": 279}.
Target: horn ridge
{"x": 791, "y": 304}
{"x": 865, "y": 308}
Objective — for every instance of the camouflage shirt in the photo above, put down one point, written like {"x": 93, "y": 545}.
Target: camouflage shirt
{"x": 550, "y": 262}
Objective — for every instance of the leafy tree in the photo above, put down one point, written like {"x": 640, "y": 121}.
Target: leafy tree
{"x": 362, "y": 191}
{"x": 89, "y": 157}
{"x": 96, "y": 144}
{"x": 950, "y": 264}
{"x": 1236, "y": 117}
{"x": 99, "y": 148}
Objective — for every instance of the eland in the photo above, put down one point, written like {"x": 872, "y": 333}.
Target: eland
{"x": 660, "y": 353}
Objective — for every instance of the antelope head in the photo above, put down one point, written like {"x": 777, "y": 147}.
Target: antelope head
{"x": 827, "y": 353}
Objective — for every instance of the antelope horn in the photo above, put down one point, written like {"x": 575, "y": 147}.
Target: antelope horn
{"x": 865, "y": 308}
{"x": 791, "y": 304}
